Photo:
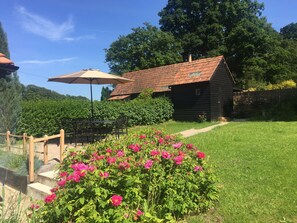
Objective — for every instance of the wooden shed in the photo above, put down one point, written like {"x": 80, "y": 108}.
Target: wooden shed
{"x": 198, "y": 87}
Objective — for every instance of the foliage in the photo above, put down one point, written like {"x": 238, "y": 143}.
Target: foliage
{"x": 145, "y": 47}
{"x": 18, "y": 163}
{"x": 282, "y": 85}
{"x": 289, "y": 31}
{"x": 10, "y": 99}
{"x": 146, "y": 177}
{"x": 105, "y": 93}
{"x": 44, "y": 117}
{"x": 249, "y": 154}
{"x": 11, "y": 210}
{"x": 35, "y": 93}
{"x": 10, "y": 92}
{"x": 146, "y": 94}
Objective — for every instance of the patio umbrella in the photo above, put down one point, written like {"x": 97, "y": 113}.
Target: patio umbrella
{"x": 90, "y": 76}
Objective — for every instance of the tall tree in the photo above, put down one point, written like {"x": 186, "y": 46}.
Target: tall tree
{"x": 105, "y": 93}
{"x": 233, "y": 28}
{"x": 145, "y": 47}
{"x": 289, "y": 31}
{"x": 10, "y": 93}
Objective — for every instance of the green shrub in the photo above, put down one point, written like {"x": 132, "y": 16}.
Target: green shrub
{"x": 147, "y": 177}
{"x": 44, "y": 117}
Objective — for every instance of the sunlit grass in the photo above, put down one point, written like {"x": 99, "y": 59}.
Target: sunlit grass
{"x": 175, "y": 127}
{"x": 257, "y": 165}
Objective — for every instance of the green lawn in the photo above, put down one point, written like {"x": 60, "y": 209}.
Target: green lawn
{"x": 175, "y": 127}
{"x": 257, "y": 166}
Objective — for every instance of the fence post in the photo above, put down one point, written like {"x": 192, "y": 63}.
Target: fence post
{"x": 8, "y": 140}
{"x": 62, "y": 142}
{"x": 45, "y": 150}
{"x": 31, "y": 159}
{"x": 24, "y": 143}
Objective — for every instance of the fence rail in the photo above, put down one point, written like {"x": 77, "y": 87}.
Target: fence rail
{"x": 32, "y": 142}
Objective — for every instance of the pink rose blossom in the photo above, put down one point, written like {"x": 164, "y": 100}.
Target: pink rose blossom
{"x": 135, "y": 147}
{"x": 111, "y": 160}
{"x": 124, "y": 166}
{"x": 166, "y": 155}
{"x": 155, "y": 153}
{"x": 55, "y": 189}
{"x": 63, "y": 174}
{"x": 198, "y": 168}
{"x": 116, "y": 200}
{"x": 109, "y": 151}
{"x": 34, "y": 206}
{"x": 161, "y": 140}
{"x": 178, "y": 160}
{"x": 104, "y": 175}
{"x": 142, "y": 136}
{"x": 200, "y": 155}
{"x": 79, "y": 166}
{"x": 177, "y": 145}
{"x": 148, "y": 164}
{"x": 91, "y": 168}
{"x": 139, "y": 213}
{"x": 61, "y": 183}
{"x": 189, "y": 146}
{"x": 50, "y": 198}
{"x": 120, "y": 153}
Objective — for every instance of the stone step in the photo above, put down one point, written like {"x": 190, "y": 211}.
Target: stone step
{"x": 47, "y": 178}
{"x": 38, "y": 191}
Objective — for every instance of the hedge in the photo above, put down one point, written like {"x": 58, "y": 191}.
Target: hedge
{"x": 40, "y": 118}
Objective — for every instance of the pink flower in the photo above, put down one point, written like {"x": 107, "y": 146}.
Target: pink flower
{"x": 139, "y": 213}
{"x": 177, "y": 145}
{"x": 104, "y": 175}
{"x": 53, "y": 190}
{"x": 135, "y": 147}
{"x": 61, "y": 183}
{"x": 166, "y": 155}
{"x": 200, "y": 155}
{"x": 34, "y": 206}
{"x": 178, "y": 160}
{"x": 168, "y": 137}
{"x": 109, "y": 151}
{"x": 198, "y": 168}
{"x": 161, "y": 140}
{"x": 79, "y": 166}
{"x": 158, "y": 132}
{"x": 50, "y": 198}
{"x": 111, "y": 160}
{"x": 148, "y": 164}
{"x": 189, "y": 146}
{"x": 116, "y": 200}
{"x": 75, "y": 176}
{"x": 63, "y": 174}
{"x": 124, "y": 166}
{"x": 95, "y": 156}
{"x": 155, "y": 153}
{"x": 91, "y": 168}
{"x": 120, "y": 153}
{"x": 142, "y": 136}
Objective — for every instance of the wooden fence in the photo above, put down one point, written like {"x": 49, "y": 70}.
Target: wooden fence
{"x": 32, "y": 142}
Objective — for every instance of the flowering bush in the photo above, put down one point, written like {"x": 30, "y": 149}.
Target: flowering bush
{"x": 146, "y": 177}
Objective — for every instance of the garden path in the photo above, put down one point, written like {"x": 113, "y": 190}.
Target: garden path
{"x": 191, "y": 132}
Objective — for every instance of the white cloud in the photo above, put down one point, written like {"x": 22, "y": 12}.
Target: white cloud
{"x": 46, "y": 28}
{"x": 47, "y": 61}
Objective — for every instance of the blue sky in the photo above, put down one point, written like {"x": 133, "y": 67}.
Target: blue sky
{"x": 52, "y": 37}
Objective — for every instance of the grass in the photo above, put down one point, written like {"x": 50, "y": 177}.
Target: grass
{"x": 175, "y": 127}
{"x": 257, "y": 165}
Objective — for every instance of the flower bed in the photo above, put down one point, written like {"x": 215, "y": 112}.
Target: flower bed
{"x": 147, "y": 177}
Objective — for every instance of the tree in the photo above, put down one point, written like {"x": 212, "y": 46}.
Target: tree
{"x": 10, "y": 93}
{"x": 145, "y": 47}
{"x": 289, "y": 31}
{"x": 233, "y": 28}
{"x": 105, "y": 93}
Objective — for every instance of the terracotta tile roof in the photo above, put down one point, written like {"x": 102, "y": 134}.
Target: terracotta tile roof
{"x": 118, "y": 97}
{"x": 160, "y": 78}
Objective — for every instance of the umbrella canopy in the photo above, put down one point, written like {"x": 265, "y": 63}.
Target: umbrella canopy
{"x": 90, "y": 76}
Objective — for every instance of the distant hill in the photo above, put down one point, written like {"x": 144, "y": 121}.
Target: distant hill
{"x": 33, "y": 92}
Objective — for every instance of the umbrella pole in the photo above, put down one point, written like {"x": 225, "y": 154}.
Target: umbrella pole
{"x": 92, "y": 107}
